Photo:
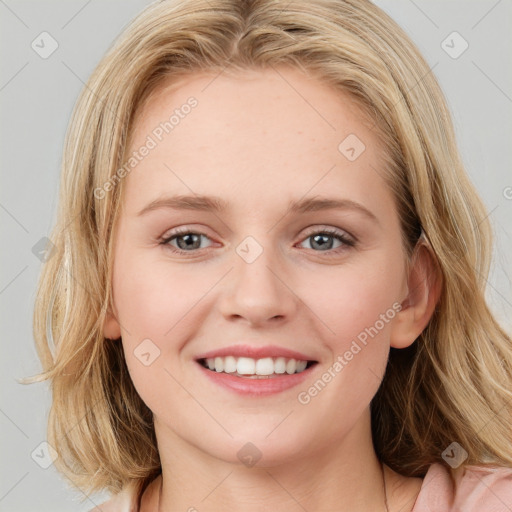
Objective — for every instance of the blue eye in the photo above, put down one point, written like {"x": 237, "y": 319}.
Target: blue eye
{"x": 188, "y": 241}
{"x": 320, "y": 239}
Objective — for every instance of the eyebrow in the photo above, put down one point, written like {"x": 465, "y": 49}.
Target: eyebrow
{"x": 218, "y": 205}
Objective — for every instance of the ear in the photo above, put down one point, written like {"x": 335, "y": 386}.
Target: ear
{"x": 111, "y": 327}
{"x": 424, "y": 283}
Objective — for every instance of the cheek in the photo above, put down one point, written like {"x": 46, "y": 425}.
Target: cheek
{"x": 155, "y": 301}
{"x": 150, "y": 299}
{"x": 359, "y": 312}
{"x": 356, "y": 298}
{"x": 156, "y": 312}
{"x": 160, "y": 309}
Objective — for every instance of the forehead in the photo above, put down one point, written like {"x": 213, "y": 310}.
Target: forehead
{"x": 259, "y": 135}
{"x": 259, "y": 101}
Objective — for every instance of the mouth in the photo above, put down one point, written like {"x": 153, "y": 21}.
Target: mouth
{"x": 250, "y": 368}
{"x": 256, "y": 371}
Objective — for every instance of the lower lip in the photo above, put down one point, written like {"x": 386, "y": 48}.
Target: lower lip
{"x": 256, "y": 387}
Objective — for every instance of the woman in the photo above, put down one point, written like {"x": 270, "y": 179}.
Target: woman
{"x": 260, "y": 369}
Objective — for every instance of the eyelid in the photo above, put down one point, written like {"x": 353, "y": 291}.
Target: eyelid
{"x": 169, "y": 235}
{"x": 183, "y": 230}
{"x": 319, "y": 228}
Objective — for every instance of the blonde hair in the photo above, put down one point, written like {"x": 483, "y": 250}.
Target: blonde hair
{"x": 452, "y": 384}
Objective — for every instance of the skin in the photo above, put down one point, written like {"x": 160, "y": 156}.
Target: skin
{"x": 258, "y": 143}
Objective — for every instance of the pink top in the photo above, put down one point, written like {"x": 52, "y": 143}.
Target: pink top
{"x": 476, "y": 489}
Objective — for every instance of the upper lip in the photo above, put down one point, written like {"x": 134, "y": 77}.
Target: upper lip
{"x": 255, "y": 352}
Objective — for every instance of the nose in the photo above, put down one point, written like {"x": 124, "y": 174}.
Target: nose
{"x": 259, "y": 292}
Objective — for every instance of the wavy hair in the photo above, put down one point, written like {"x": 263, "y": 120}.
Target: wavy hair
{"x": 452, "y": 384}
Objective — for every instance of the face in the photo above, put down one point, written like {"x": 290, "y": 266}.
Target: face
{"x": 324, "y": 282}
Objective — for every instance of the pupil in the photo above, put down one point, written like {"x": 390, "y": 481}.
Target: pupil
{"x": 189, "y": 241}
{"x": 317, "y": 240}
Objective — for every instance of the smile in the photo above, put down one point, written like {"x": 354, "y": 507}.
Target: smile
{"x": 248, "y": 367}
{"x": 240, "y": 374}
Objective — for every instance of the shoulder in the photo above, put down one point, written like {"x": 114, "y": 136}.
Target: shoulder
{"x": 468, "y": 489}
{"x": 125, "y": 501}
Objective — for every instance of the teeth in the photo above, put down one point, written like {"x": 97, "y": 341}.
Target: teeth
{"x": 280, "y": 365}
{"x": 229, "y": 364}
{"x": 219, "y": 364}
{"x": 248, "y": 366}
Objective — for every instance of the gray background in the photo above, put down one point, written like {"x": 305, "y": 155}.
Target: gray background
{"x": 36, "y": 99}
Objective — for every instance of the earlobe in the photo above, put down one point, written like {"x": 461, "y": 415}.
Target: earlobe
{"x": 111, "y": 327}
{"x": 424, "y": 289}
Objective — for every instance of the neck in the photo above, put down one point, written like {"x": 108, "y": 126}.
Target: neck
{"x": 344, "y": 476}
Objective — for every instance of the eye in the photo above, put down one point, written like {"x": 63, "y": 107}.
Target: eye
{"x": 186, "y": 240}
{"x": 323, "y": 240}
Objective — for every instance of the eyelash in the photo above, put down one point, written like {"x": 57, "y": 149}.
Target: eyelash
{"x": 347, "y": 242}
